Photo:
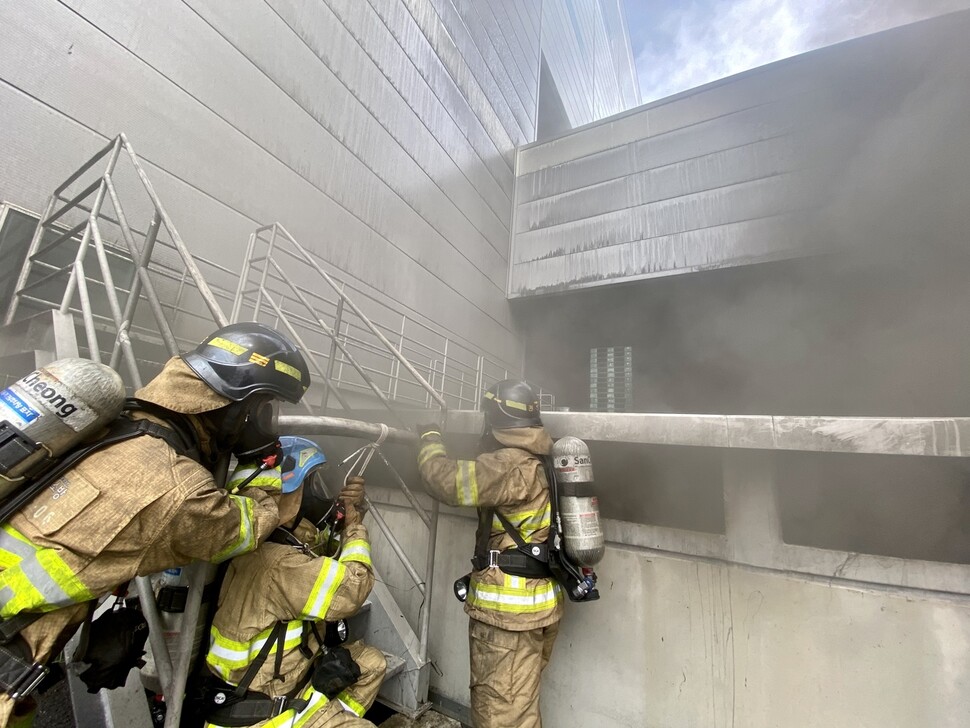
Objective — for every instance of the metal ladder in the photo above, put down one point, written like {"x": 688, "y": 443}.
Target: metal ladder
{"x": 158, "y": 259}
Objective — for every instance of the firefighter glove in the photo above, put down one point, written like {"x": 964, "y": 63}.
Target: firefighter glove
{"x": 352, "y": 516}
{"x": 115, "y": 646}
{"x": 431, "y": 427}
{"x": 335, "y": 671}
{"x": 353, "y": 492}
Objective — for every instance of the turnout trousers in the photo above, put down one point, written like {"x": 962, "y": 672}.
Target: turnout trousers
{"x": 506, "y": 671}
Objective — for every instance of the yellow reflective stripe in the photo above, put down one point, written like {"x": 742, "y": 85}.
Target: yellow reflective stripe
{"x": 466, "y": 483}
{"x": 514, "y": 600}
{"x": 246, "y": 540}
{"x": 226, "y": 345}
{"x": 328, "y": 579}
{"x": 517, "y": 405}
{"x": 270, "y": 478}
{"x": 227, "y": 655}
{"x": 35, "y": 579}
{"x": 356, "y": 550}
{"x": 282, "y": 366}
{"x": 526, "y": 522}
{"x": 350, "y": 702}
{"x": 430, "y": 450}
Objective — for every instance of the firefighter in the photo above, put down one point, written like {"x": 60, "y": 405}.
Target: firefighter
{"x": 268, "y": 647}
{"x": 513, "y": 619}
{"x": 145, "y": 504}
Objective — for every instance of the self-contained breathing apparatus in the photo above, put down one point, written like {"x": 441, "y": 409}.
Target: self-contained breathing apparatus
{"x": 48, "y": 420}
{"x": 575, "y": 543}
{"x": 53, "y": 418}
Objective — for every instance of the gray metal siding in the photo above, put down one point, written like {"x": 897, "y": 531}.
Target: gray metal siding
{"x": 753, "y": 168}
{"x": 360, "y": 126}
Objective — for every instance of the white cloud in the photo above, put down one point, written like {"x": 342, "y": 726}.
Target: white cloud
{"x": 711, "y": 40}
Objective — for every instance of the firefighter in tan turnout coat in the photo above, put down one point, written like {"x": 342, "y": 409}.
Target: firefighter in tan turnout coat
{"x": 265, "y": 646}
{"x": 514, "y": 619}
{"x": 138, "y": 507}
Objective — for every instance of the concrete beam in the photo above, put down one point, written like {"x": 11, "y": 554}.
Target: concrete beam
{"x": 931, "y": 436}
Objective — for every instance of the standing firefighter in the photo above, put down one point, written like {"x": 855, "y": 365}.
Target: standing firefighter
{"x": 146, "y": 503}
{"x": 272, "y": 661}
{"x": 514, "y": 608}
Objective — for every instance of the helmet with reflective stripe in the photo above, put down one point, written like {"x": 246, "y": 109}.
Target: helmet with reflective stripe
{"x": 511, "y": 403}
{"x": 301, "y": 459}
{"x": 248, "y": 358}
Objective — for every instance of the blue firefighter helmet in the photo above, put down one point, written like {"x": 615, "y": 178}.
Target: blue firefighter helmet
{"x": 301, "y": 459}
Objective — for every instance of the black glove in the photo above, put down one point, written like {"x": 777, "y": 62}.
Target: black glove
{"x": 422, "y": 430}
{"x": 115, "y": 645}
{"x": 335, "y": 671}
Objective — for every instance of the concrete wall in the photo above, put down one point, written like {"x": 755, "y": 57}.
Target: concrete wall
{"x": 810, "y": 154}
{"x": 381, "y": 133}
{"x": 734, "y": 625}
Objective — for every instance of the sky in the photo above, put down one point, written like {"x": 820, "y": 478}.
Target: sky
{"x": 681, "y": 44}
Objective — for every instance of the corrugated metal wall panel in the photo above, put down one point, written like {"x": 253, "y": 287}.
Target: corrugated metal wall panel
{"x": 446, "y": 90}
{"x": 660, "y": 188}
{"x": 339, "y": 119}
{"x": 474, "y": 31}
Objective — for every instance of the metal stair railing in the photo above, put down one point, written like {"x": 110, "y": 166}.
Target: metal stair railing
{"x": 407, "y": 360}
{"x": 61, "y": 207}
{"x": 312, "y": 323}
{"x": 379, "y": 434}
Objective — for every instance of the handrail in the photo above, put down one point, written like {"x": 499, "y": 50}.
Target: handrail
{"x": 349, "y": 302}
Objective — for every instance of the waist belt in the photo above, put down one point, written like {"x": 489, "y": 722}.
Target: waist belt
{"x": 514, "y": 562}
{"x": 19, "y": 674}
{"x": 253, "y": 708}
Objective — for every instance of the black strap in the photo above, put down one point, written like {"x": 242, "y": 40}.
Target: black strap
{"x": 516, "y": 536}
{"x": 280, "y": 644}
{"x": 524, "y": 559}
{"x": 278, "y": 633}
{"x": 10, "y": 628}
{"x": 120, "y": 430}
{"x": 482, "y": 535}
{"x": 253, "y": 709}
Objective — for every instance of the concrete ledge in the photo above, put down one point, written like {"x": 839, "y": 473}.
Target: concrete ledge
{"x": 940, "y": 437}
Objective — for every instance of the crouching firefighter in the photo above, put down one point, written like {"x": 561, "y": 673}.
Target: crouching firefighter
{"x": 143, "y": 499}
{"x": 513, "y": 602}
{"x": 269, "y": 650}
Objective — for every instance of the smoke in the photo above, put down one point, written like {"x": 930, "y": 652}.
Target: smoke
{"x": 871, "y": 323}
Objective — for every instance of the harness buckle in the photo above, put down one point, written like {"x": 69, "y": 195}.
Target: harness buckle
{"x": 28, "y": 682}
{"x": 279, "y": 705}
{"x": 493, "y": 558}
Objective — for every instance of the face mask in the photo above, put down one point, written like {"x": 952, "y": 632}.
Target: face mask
{"x": 260, "y": 432}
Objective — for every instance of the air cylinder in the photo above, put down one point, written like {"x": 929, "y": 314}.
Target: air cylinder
{"x": 50, "y": 411}
{"x": 578, "y": 504}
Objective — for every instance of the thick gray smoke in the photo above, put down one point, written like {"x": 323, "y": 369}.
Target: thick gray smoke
{"x": 874, "y": 322}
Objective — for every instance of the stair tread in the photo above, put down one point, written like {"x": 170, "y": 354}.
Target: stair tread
{"x": 395, "y": 665}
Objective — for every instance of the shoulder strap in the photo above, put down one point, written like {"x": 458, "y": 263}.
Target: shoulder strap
{"x": 276, "y": 636}
{"x": 179, "y": 435}
{"x": 120, "y": 430}
{"x": 482, "y": 535}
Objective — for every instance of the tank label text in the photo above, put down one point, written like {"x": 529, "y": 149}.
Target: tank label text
{"x": 53, "y": 396}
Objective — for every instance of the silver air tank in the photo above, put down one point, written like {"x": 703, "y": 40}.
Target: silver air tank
{"x": 52, "y": 409}
{"x": 578, "y": 504}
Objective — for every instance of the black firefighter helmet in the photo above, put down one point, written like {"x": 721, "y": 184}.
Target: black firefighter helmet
{"x": 511, "y": 403}
{"x": 249, "y": 358}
